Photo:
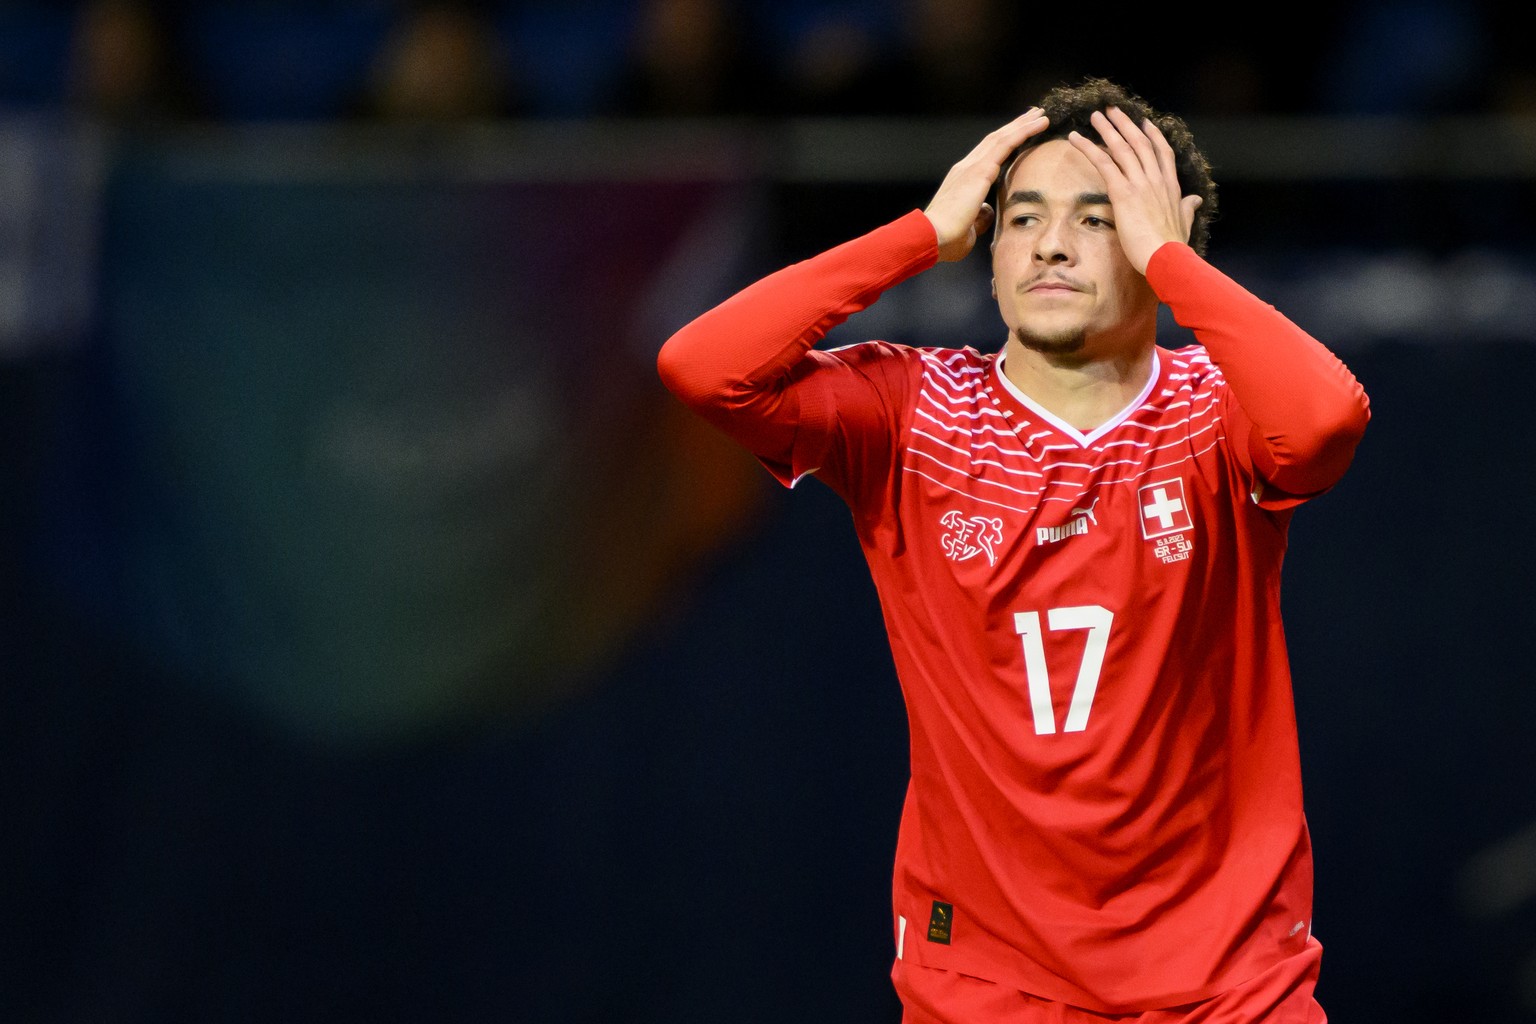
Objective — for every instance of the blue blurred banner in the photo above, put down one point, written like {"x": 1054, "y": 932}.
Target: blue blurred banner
{"x": 392, "y": 447}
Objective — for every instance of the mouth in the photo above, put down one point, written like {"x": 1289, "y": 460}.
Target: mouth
{"x": 1052, "y": 286}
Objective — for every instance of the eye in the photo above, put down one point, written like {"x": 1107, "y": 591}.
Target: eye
{"x": 1098, "y": 222}
{"x": 1023, "y": 219}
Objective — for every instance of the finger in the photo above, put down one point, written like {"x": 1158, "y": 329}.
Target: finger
{"x": 979, "y": 168}
{"x": 999, "y": 143}
{"x": 1135, "y": 138}
{"x": 1023, "y": 122}
{"x": 1017, "y": 128}
{"x": 1113, "y": 145}
{"x": 1118, "y": 145}
{"x": 1166, "y": 158}
{"x": 1096, "y": 154}
{"x": 1029, "y": 115}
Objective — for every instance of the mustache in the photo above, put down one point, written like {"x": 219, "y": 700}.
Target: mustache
{"x": 1052, "y": 277}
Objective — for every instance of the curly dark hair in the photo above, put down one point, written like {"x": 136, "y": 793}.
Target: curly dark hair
{"x": 1068, "y": 108}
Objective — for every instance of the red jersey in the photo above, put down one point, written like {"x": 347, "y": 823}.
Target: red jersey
{"x": 1105, "y": 803}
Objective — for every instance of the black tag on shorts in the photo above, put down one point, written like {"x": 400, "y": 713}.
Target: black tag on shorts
{"x": 940, "y": 921}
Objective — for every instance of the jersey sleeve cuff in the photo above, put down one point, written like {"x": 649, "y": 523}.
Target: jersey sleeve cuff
{"x": 1173, "y": 264}
{"x": 913, "y": 239}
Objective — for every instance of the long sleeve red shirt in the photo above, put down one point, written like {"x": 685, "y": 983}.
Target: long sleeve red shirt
{"x": 1105, "y": 802}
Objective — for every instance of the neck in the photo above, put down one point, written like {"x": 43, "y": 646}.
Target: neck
{"x": 1083, "y": 392}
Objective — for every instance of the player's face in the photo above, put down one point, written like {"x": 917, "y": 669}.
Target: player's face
{"x": 1060, "y": 277}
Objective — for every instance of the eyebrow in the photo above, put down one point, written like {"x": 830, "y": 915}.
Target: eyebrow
{"x": 1033, "y": 196}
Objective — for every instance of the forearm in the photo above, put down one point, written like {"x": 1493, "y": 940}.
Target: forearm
{"x": 740, "y": 353}
{"x": 1307, "y": 410}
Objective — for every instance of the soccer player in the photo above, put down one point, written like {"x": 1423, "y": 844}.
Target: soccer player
{"x": 1077, "y": 543}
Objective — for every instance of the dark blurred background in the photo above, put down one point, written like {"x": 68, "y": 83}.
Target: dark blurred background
{"x": 382, "y": 643}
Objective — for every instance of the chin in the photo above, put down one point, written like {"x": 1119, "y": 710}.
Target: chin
{"x": 1054, "y": 343}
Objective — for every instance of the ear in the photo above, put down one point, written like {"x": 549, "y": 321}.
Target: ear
{"x": 994, "y": 287}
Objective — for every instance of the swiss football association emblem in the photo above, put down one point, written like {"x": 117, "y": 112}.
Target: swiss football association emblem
{"x": 969, "y": 536}
{"x": 1165, "y": 519}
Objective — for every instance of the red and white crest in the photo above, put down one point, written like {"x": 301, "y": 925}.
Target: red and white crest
{"x": 1163, "y": 508}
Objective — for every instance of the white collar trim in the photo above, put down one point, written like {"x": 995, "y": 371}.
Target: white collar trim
{"x": 1066, "y": 428}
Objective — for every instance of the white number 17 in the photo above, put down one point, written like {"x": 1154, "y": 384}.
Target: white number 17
{"x": 1096, "y": 621}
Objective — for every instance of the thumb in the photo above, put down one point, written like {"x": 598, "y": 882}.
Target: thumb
{"x": 1188, "y": 205}
{"x": 984, "y": 220}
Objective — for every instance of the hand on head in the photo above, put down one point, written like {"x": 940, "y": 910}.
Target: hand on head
{"x": 1142, "y": 182}
{"x": 959, "y": 210}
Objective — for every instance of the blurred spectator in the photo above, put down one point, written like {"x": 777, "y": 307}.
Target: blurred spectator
{"x": 840, "y": 62}
{"x": 283, "y": 60}
{"x": 1228, "y": 69}
{"x": 965, "y": 58}
{"x": 693, "y": 58}
{"x": 1513, "y": 92}
{"x": 568, "y": 52}
{"x": 123, "y": 65}
{"x": 937, "y": 57}
{"x": 1511, "y": 85}
{"x": 1406, "y": 57}
{"x": 442, "y": 61}
{"x": 1224, "y": 80}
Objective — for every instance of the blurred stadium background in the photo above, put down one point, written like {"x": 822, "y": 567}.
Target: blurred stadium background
{"x": 381, "y": 643}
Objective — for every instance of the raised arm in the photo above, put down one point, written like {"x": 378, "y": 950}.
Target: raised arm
{"x": 1305, "y": 411}
{"x": 743, "y": 364}
{"x": 736, "y": 364}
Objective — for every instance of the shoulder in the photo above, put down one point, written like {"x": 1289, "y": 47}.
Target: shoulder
{"x": 1191, "y": 367}
{"x": 929, "y": 359}
{"x": 919, "y": 360}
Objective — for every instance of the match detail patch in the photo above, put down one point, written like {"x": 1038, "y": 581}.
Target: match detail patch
{"x": 940, "y": 922}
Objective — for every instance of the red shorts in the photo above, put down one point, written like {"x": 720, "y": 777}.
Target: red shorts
{"x": 1281, "y": 995}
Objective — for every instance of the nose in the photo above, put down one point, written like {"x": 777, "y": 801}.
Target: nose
{"x": 1051, "y": 244}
